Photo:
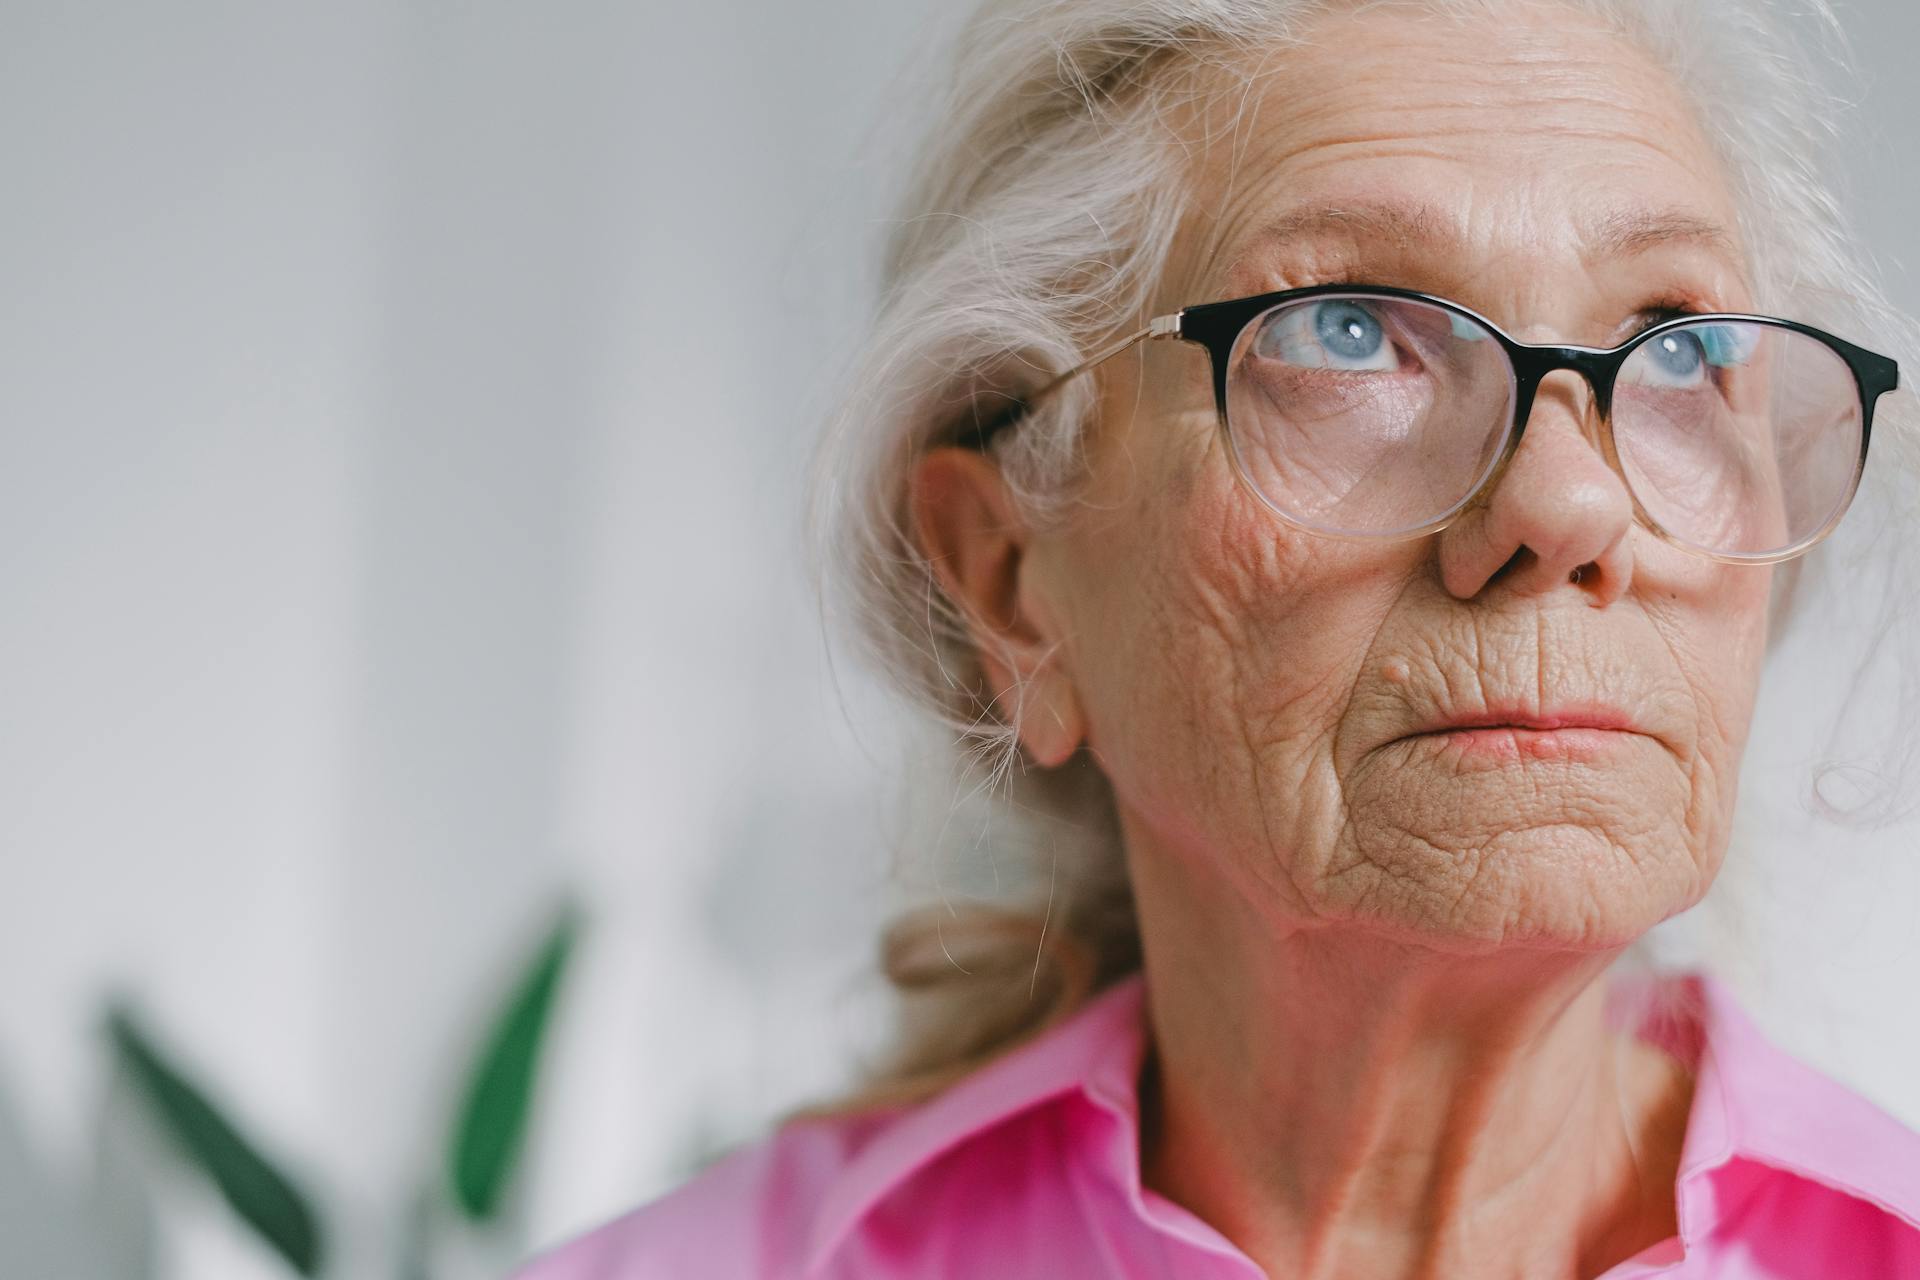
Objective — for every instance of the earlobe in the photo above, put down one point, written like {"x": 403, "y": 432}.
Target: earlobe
{"x": 1050, "y": 725}
{"x": 974, "y": 539}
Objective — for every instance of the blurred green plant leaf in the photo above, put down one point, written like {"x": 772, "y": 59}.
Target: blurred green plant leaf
{"x": 265, "y": 1198}
{"x": 492, "y": 1119}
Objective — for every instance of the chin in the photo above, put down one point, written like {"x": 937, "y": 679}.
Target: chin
{"x": 1558, "y": 885}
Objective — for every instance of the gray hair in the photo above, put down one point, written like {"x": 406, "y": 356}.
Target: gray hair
{"x": 1038, "y": 223}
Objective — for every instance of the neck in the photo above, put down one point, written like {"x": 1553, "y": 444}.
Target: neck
{"x": 1342, "y": 1104}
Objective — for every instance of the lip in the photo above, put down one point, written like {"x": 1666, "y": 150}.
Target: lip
{"x": 1592, "y": 716}
{"x": 1587, "y": 732}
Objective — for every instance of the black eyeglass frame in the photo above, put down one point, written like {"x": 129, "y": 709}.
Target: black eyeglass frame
{"x": 1217, "y": 326}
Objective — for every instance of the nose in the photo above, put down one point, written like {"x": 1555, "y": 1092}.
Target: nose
{"x": 1556, "y": 519}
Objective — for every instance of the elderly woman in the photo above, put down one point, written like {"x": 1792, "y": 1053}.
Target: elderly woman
{"x": 1338, "y": 464}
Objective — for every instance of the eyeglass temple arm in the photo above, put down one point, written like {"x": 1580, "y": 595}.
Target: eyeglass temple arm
{"x": 1167, "y": 326}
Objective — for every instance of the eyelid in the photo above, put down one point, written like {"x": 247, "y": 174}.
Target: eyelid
{"x": 1651, "y": 316}
{"x": 1724, "y": 346}
{"x": 1654, "y": 316}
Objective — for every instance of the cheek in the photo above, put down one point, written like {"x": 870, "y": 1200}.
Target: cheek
{"x": 1745, "y": 637}
{"x": 1712, "y": 619}
{"x": 1220, "y": 656}
{"x": 1718, "y": 637}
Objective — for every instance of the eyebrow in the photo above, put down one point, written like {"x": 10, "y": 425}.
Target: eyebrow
{"x": 1630, "y": 231}
{"x": 1615, "y": 234}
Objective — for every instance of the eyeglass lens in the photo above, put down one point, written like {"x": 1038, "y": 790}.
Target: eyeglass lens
{"x": 1370, "y": 416}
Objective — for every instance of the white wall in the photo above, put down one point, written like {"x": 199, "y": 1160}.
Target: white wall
{"x": 401, "y": 416}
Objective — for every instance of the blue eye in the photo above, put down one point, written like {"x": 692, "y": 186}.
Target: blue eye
{"x": 1347, "y": 330}
{"x": 1340, "y": 333}
{"x": 1688, "y": 357}
{"x": 1678, "y": 354}
{"x": 1674, "y": 360}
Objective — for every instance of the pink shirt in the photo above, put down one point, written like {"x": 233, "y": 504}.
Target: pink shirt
{"x": 1029, "y": 1170}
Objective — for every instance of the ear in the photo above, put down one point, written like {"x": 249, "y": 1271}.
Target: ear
{"x": 970, "y": 530}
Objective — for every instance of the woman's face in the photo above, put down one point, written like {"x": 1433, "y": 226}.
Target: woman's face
{"x": 1262, "y": 698}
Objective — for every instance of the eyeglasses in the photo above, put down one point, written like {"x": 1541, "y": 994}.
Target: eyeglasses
{"x": 1377, "y": 413}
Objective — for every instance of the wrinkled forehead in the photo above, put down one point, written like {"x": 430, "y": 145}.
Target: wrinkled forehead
{"x": 1521, "y": 137}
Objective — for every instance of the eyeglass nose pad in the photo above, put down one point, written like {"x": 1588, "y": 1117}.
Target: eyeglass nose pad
{"x": 1593, "y": 412}
{"x": 1581, "y": 385}
{"x": 1596, "y": 424}
{"x": 1588, "y": 375}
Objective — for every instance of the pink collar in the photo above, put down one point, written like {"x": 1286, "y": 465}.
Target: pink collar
{"x": 1752, "y": 1100}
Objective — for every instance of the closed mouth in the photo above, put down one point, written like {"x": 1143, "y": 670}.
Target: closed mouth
{"x": 1559, "y": 733}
